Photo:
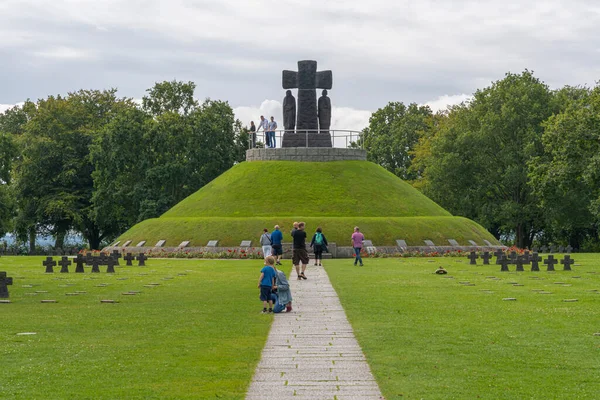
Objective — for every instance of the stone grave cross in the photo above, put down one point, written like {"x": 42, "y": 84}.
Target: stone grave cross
{"x": 79, "y": 261}
{"x": 4, "y": 281}
{"x": 49, "y": 263}
{"x": 116, "y": 254}
{"x": 129, "y": 258}
{"x": 473, "y": 257}
{"x": 535, "y": 259}
{"x": 486, "y": 257}
{"x": 567, "y": 261}
{"x": 64, "y": 264}
{"x": 142, "y": 259}
{"x": 550, "y": 262}
{"x": 503, "y": 261}
{"x": 111, "y": 262}
{"x": 96, "y": 264}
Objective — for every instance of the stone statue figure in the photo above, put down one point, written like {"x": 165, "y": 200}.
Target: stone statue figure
{"x": 324, "y": 112}
{"x": 289, "y": 111}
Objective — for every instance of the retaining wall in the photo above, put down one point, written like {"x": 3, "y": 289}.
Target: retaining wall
{"x": 311, "y": 154}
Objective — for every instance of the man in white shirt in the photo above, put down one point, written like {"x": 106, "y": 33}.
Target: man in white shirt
{"x": 272, "y": 128}
{"x": 264, "y": 123}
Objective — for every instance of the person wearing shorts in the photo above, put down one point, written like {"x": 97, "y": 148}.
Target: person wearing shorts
{"x": 299, "y": 253}
{"x": 276, "y": 246}
{"x": 266, "y": 282}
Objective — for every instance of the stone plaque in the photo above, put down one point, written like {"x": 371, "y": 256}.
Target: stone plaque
{"x": 246, "y": 243}
{"x": 127, "y": 243}
{"x": 473, "y": 243}
{"x": 401, "y": 243}
{"x": 184, "y": 244}
{"x": 453, "y": 242}
{"x": 212, "y": 243}
{"x": 487, "y": 242}
{"x": 140, "y": 244}
{"x": 160, "y": 243}
{"x": 429, "y": 243}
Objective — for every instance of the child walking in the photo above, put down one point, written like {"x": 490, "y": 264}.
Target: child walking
{"x": 266, "y": 282}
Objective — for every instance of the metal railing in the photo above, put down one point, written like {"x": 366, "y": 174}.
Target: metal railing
{"x": 340, "y": 138}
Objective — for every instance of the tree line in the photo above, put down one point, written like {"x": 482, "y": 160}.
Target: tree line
{"x": 519, "y": 158}
{"x": 95, "y": 163}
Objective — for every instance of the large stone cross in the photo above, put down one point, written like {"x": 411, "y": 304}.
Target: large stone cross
{"x": 307, "y": 80}
{"x": 4, "y": 281}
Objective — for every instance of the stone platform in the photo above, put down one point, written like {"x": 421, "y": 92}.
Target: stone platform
{"x": 312, "y": 154}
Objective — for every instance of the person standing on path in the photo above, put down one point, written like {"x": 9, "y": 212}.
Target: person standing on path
{"x": 264, "y": 124}
{"x": 272, "y": 129}
{"x": 319, "y": 244}
{"x": 266, "y": 282}
{"x": 265, "y": 242}
{"x": 299, "y": 253}
{"x": 357, "y": 244}
{"x": 276, "y": 247}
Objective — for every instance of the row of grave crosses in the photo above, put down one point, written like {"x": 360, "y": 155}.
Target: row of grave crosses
{"x": 110, "y": 260}
{"x": 520, "y": 260}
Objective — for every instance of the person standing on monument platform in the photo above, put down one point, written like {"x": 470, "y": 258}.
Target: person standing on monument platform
{"x": 252, "y": 134}
{"x": 357, "y": 244}
{"x": 272, "y": 129}
{"x": 299, "y": 253}
{"x": 264, "y": 123}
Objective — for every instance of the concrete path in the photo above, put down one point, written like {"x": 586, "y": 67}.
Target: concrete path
{"x": 311, "y": 353}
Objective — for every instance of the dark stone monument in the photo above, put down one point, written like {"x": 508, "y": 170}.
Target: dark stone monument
{"x": 513, "y": 257}
{"x": 4, "y": 282}
{"x": 307, "y": 80}
{"x": 111, "y": 262}
{"x": 289, "y": 112}
{"x": 324, "y": 112}
{"x": 64, "y": 264}
{"x": 561, "y": 249}
{"x": 116, "y": 254}
{"x": 49, "y": 263}
{"x": 520, "y": 261}
{"x": 129, "y": 258}
{"x": 567, "y": 261}
{"x": 535, "y": 259}
{"x": 95, "y": 264}
{"x": 486, "y": 257}
{"x": 79, "y": 261}
{"x": 141, "y": 259}
{"x": 550, "y": 262}
{"x": 544, "y": 249}
{"x": 472, "y": 258}
{"x": 569, "y": 249}
{"x": 89, "y": 258}
{"x": 552, "y": 249}
{"x": 503, "y": 261}
{"x": 498, "y": 253}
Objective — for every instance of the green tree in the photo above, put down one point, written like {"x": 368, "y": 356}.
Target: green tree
{"x": 477, "y": 164}
{"x": 392, "y": 134}
{"x": 565, "y": 177}
{"x": 174, "y": 96}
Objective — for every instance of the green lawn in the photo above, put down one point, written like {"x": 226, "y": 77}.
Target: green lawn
{"x": 195, "y": 336}
{"x": 429, "y": 336}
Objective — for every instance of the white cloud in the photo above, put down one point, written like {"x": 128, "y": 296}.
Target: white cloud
{"x": 445, "y": 101}
{"x": 65, "y": 53}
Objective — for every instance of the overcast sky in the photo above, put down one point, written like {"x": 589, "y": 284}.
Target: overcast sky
{"x": 429, "y": 52}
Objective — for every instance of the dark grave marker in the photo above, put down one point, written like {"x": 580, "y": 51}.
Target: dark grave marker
{"x": 503, "y": 261}
{"x": 79, "y": 261}
{"x": 513, "y": 257}
{"x": 561, "y": 249}
{"x": 570, "y": 300}
{"x": 89, "y": 258}
{"x": 509, "y": 299}
{"x": 49, "y": 263}
{"x": 498, "y": 253}
{"x": 544, "y": 249}
{"x": 519, "y": 263}
{"x": 141, "y": 259}
{"x": 569, "y": 249}
{"x": 103, "y": 258}
{"x": 64, "y": 264}
{"x": 552, "y": 249}
{"x": 48, "y": 301}
{"x": 111, "y": 262}
{"x": 95, "y": 264}
{"x": 566, "y": 262}
{"x": 534, "y": 249}
{"x": 550, "y": 262}
{"x": 4, "y": 282}
{"x": 535, "y": 259}
{"x": 129, "y": 258}
{"x": 486, "y": 257}
{"x": 473, "y": 258}
{"x": 108, "y": 301}
{"x": 116, "y": 254}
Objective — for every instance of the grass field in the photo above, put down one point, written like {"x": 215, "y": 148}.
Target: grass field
{"x": 195, "y": 336}
{"x": 435, "y": 337}
{"x": 199, "y": 334}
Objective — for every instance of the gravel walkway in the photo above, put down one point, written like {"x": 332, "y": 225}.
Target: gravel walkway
{"x": 311, "y": 353}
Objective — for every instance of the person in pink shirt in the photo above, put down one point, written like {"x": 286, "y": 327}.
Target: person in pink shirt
{"x": 357, "y": 244}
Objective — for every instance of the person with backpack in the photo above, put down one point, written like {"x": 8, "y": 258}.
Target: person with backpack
{"x": 319, "y": 244}
{"x": 265, "y": 242}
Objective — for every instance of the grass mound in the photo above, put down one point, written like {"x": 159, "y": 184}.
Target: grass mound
{"x": 334, "y": 195}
